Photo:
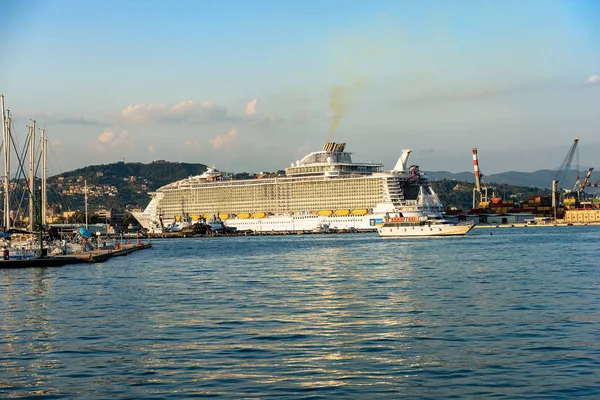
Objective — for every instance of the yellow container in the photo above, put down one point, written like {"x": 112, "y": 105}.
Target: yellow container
{"x": 259, "y": 215}
{"x": 362, "y": 211}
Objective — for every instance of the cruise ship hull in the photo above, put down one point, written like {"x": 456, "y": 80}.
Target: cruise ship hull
{"x": 302, "y": 223}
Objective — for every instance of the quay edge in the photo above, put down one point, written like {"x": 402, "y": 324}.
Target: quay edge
{"x": 94, "y": 256}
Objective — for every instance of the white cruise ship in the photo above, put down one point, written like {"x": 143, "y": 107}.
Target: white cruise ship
{"x": 324, "y": 190}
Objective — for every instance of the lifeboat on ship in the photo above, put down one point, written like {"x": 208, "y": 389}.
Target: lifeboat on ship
{"x": 243, "y": 215}
{"x": 259, "y": 215}
{"x": 361, "y": 211}
{"x": 325, "y": 213}
{"x": 341, "y": 213}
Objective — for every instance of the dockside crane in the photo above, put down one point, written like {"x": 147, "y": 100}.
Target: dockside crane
{"x": 558, "y": 181}
{"x": 479, "y": 195}
{"x": 585, "y": 182}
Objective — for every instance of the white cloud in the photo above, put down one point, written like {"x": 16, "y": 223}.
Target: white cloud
{"x": 224, "y": 142}
{"x": 194, "y": 145}
{"x": 183, "y": 107}
{"x": 112, "y": 137}
{"x": 251, "y": 107}
{"x": 593, "y": 79}
{"x": 191, "y": 112}
{"x": 186, "y": 111}
{"x": 252, "y": 116}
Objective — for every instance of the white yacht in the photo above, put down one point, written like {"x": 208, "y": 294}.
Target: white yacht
{"x": 400, "y": 226}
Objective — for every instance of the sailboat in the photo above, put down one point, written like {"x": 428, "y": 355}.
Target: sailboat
{"x": 37, "y": 198}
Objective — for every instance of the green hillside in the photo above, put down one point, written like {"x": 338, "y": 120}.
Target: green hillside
{"x": 158, "y": 172}
{"x": 459, "y": 194}
{"x": 131, "y": 183}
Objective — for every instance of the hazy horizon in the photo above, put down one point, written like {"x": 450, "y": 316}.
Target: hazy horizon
{"x": 255, "y": 86}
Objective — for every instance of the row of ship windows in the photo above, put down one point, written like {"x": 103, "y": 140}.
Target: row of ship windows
{"x": 331, "y": 203}
{"x": 267, "y": 222}
{"x": 279, "y": 186}
{"x": 278, "y": 210}
{"x": 212, "y": 210}
{"x": 282, "y": 202}
{"x": 320, "y": 199}
{"x": 296, "y": 186}
{"x": 279, "y": 198}
{"x": 307, "y": 193}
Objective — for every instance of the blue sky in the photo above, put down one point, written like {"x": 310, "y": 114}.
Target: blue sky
{"x": 253, "y": 86}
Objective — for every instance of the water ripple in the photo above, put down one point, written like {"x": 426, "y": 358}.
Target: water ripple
{"x": 513, "y": 315}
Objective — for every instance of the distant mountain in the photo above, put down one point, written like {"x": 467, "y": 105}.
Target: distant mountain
{"x": 541, "y": 179}
{"x": 459, "y": 176}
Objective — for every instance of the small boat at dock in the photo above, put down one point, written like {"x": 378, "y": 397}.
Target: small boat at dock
{"x": 421, "y": 227}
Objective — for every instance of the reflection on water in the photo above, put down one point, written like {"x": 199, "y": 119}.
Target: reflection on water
{"x": 28, "y": 334}
{"x": 324, "y": 316}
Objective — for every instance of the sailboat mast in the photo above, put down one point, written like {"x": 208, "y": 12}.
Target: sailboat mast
{"x": 6, "y": 142}
{"x": 31, "y": 174}
{"x": 85, "y": 200}
{"x": 44, "y": 143}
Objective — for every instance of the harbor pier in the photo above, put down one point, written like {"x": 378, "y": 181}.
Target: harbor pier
{"x": 92, "y": 256}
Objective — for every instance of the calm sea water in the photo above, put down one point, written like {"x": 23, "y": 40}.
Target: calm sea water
{"x": 511, "y": 315}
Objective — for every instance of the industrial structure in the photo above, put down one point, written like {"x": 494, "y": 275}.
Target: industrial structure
{"x": 558, "y": 181}
{"x": 480, "y": 191}
{"x": 563, "y": 206}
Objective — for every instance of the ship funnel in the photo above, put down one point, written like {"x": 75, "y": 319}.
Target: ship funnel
{"x": 401, "y": 164}
{"x": 329, "y": 146}
{"x": 333, "y": 147}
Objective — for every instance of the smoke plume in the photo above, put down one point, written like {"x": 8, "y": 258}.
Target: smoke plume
{"x": 340, "y": 100}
